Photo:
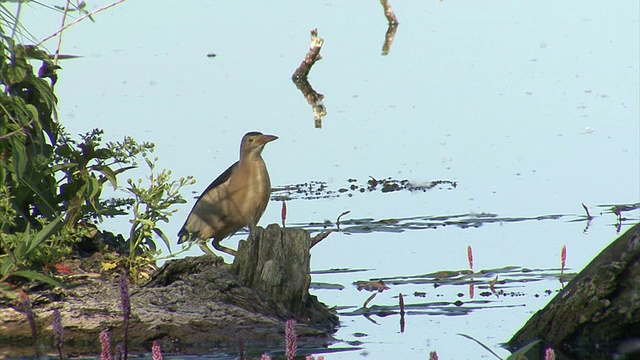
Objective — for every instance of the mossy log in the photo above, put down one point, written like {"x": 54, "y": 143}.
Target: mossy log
{"x": 598, "y": 312}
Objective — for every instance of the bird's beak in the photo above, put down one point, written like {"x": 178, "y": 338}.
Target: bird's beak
{"x": 263, "y": 139}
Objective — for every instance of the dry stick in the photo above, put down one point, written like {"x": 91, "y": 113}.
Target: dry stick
{"x": 388, "y": 12}
{"x": 316, "y": 239}
{"x": 78, "y": 20}
{"x": 312, "y": 56}
{"x": 64, "y": 19}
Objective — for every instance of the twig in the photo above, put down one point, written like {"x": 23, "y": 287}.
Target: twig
{"x": 312, "y": 56}
{"x": 21, "y": 130}
{"x": 78, "y": 20}
{"x": 64, "y": 19}
{"x": 316, "y": 239}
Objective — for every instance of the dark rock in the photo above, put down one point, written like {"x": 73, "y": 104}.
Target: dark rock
{"x": 598, "y": 312}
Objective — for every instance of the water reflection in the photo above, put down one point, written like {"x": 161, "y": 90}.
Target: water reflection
{"x": 391, "y": 30}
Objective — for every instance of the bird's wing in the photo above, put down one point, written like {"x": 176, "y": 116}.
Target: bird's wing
{"x": 220, "y": 179}
{"x": 185, "y": 234}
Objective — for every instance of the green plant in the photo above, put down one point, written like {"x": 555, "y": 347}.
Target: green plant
{"x": 85, "y": 167}
{"x": 153, "y": 202}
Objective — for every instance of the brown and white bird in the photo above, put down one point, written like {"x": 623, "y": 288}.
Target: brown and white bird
{"x": 236, "y": 199}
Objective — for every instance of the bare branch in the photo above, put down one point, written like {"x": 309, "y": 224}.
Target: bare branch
{"x": 312, "y": 56}
{"x": 79, "y": 19}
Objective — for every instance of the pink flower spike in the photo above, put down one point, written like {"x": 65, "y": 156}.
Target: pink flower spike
{"x": 470, "y": 257}
{"x": 105, "y": 343}
{"x": 290, "y": 340}
{"x": 549, "y": 354}
{"x": 265, "y": 357}
{"x": 156, "y": 353}
{"x": 283, "y": 213}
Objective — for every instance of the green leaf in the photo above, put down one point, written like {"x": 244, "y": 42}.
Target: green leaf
{"x": 32, "y": 275}
{"x": 109, "y": 175}
{"x": 14, "y": 74}
{"x": 44, "y": 234}
{"x": 19, "y": 159}
{"x": 7, "y": 264}
{"x": 162, "y": 236}
{"x": 94, "y": 187}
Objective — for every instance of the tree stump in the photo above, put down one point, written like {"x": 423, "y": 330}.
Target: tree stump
{"x": 276, "y": 261}
{"x": 598, "y": 313}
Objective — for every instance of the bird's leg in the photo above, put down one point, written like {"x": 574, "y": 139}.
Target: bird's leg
{"x": 251, "y": 228}
{"x": 205, "y": 248}
{"x": 224, "y": 249}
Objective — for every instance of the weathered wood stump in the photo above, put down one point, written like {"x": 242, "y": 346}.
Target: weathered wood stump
{"x": 598, "y": 312}
{"x": 276, "y": 261}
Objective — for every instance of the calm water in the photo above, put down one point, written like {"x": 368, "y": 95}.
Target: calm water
{"x": 531, "y": 107}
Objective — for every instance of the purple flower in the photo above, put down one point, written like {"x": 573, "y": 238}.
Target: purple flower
{"x": 124, "y": 297}
{"x": 290, "y": 340}
{"x": 156, "y": 353}
{"x": 105, "y": 342}
{"x": 433, "y": 355}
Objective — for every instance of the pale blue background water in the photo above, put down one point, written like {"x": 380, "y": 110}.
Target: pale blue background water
{"x": 531, "y": 106}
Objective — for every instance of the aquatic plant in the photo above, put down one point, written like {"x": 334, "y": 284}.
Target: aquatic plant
{"x": 290, "y": 340}
{"x": 549, "y": 354}
{"x": 156, "y": 352}
{"x": 119, "y": 351}
{"x": 105, "y": 342}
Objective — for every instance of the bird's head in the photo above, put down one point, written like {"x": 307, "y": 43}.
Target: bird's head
{"x": 254, "y": 142}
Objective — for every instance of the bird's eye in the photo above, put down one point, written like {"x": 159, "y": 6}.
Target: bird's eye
{"x": 250, "y": 140}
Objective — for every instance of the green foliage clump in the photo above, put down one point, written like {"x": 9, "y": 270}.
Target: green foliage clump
{"x": 51, "y": 185}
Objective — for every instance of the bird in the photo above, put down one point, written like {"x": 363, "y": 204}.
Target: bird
{"x": 234, "y": 200}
